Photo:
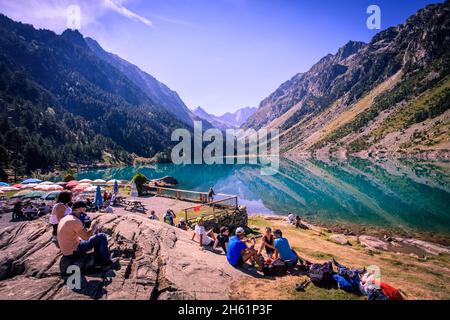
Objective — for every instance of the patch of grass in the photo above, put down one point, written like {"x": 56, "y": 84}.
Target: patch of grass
{"x": 315, "y": 293}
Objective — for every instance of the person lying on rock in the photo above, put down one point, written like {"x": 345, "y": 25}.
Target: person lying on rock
{"x": 75, "y": 241}
{"x": 283, "y": 250}
{"x": 238, "y": 253}
{"x": 204, "y": 238}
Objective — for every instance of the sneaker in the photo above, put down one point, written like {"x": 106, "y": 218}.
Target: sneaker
{"x": 113, "y": 264}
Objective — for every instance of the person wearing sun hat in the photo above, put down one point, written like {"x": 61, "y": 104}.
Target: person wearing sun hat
{"x": 238, "y": 253}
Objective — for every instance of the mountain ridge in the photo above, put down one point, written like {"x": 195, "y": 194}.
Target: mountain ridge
{"x": 62, "y": 104}
{"x": 156, "y": 90}
{"x": 301, "y": 107}
{"x": 229, "y": 120}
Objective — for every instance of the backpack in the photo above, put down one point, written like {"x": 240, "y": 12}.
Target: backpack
{"x": 168, "y": 219}
{"x": 390, "y": 292}
{"x": 377, "y": 294}
{"x": 277, "y": 268}
{"x": 321, "y": 275}
{"x": 348, "y": 284}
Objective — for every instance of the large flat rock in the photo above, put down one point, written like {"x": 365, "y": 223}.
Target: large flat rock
{"x": 157, "y": 262}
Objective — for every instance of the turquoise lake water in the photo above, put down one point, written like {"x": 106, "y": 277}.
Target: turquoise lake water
{"x": 404, "y": 195}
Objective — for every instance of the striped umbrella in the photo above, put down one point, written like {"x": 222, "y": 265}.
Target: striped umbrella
{"x": 29, "y": 186}
{"x": 72, "y": 183}
{"x": 34, "y": 195}
{"x": 22, "y": 193}
{"x": 81, "y": 186}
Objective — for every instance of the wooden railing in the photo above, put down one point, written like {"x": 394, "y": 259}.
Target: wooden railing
{"x": 218, "y": 207}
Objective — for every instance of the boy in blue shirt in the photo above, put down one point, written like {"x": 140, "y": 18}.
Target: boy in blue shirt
{"x": 283, "y": 250}
{"x": 238, "y": 253}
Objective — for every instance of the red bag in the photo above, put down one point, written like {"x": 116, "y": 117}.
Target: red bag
{"x": 390, "y": 292}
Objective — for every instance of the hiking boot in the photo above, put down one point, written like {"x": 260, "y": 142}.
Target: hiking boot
{"x": 113, "y": 264}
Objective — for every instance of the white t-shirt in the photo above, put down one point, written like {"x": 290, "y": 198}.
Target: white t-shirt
{"x": 200, "y": 230}
{"x": 291, "y": 218}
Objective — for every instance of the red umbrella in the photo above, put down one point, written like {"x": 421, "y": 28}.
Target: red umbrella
{"x": 72, "y": 184}
{"x": 18, "y": 186}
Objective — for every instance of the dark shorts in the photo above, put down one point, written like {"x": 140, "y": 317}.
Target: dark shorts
{"x": 239, "y": 263}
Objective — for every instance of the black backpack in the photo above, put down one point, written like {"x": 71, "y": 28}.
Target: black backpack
{"x": 321, "y": 274}
{"x": 277, "y": 268}
{"x": 377, "y": 294}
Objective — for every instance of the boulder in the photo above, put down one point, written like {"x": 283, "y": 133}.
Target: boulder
{"x": 157, "y": 261}
{"x": 428, "y": 247}
{"x": 373, "y": 243}
{"x": 339, "y": 239}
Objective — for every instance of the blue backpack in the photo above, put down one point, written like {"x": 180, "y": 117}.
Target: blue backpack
{"x": 348, "y": 284}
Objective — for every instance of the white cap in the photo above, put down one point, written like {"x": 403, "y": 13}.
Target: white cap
{"x": 240, "y": 230}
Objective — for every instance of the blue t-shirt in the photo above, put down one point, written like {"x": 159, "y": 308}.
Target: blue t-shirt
{"x": 284, "y": 249}
{"x": 235, "y": 246}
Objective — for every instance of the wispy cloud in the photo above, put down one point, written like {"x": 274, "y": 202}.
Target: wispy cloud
{"x": 119, "y": 8}
{"x": 52, "y": 14}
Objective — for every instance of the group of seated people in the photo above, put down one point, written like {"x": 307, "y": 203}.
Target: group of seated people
{"x": 29, "y": 210}
{"x": 238, "y": 252}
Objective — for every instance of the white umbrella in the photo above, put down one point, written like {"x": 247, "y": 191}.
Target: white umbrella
{"x": 46, "y": 183}
{"x": 112, "y": 181}
{"x": 99, "y": 181}
{"x": 86, "y": 181}
{"x": 91, "y": 189}
{"x": 8, "y": 189}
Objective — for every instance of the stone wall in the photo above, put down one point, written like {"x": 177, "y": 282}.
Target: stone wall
{"x": 230, "y": 220}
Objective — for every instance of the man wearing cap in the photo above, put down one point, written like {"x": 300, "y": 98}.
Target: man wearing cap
{"x": 283, "y": 250}
{"x": 238, "y": 253}
{"x": 74, "y": 240}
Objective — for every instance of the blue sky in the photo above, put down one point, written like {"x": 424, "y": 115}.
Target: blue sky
{"x": 218, "y": 54}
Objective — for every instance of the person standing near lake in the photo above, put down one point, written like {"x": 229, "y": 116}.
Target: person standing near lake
{"x": 211, "y": 195}
{"x": 59, "y": 211}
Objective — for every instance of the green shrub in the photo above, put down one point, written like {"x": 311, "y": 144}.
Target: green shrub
{"x": 69, "y": 175}
{"x": 139, "y": 179}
